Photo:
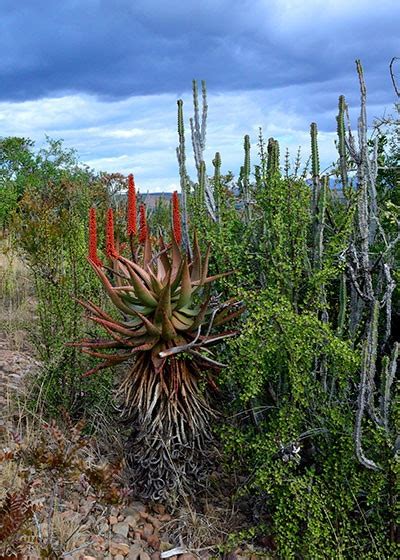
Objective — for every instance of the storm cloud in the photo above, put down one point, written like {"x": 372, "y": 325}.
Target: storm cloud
{"x": 105, "y": 75}
{"x": 120, "y": 48}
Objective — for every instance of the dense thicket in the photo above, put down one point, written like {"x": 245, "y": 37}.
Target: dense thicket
{"x": 310, "y": 384}
{"x": 311, "y": 378}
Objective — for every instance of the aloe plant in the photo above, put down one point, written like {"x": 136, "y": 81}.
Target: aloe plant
{"x": 164, "y": 336}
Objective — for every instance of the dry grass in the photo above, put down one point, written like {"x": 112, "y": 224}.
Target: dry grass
{"x": 197, "y": 530}
{"x": 17, "y": 302}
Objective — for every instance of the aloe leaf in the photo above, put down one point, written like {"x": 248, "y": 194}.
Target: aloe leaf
{"x": 180, "y": 324}
{"x": 163, "y": 264}
{"x": 176, "y": 258}
{"x": 147, "y": 252}
{"x": 168, "y": 331}
{"x": 156, "y": 285}
{"x": 205, "y": 265}
{"x": 142, "y": 293}
{"x": 94, "y": 309}
{"x": 116, "y": 358}
{"x": 221, "y": 320}
{"x": 212, "y": 278}
{"x": 150, "y": 327}
{"x": 103, "y": 365}
{"x": 202, "y": 313}
{"x": 114, "y": 326}
{"x": 133, "y": 267}
{"x": 196, "y": 263}
{"x": 186, "y": 286}
{"x": 177, "y": 280}
{"x": 189, "y": 312}
{"x": 109, "y": 288}
{"x": 164, "y": 303}
{"x": 94, "y": 344}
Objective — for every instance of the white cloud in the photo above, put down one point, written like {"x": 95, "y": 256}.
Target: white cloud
{"x": 138, "y": 134}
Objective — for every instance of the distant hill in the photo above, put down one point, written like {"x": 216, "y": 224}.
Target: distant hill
{"x": 149, "y": 199}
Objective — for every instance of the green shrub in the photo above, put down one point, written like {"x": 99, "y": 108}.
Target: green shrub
{"x": 299, "y": 450}
{"x": 50, "y": 225}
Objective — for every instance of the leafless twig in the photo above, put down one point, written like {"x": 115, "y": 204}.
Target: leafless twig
{"x": 396, "y": 89}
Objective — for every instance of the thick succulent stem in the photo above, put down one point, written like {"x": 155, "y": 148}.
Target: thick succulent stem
{"x": 341, "y": 132}
{"x": 171, "y": 442}
{"x": 246, "y": 179}
{"x": 342, "y": 305}
{"x": 318, "y": 210}
{"x": 217, "y": 185}
{"x": 273, "y": 157}
{"x": 314, "y": 167}
{"x": 184, "y": 179}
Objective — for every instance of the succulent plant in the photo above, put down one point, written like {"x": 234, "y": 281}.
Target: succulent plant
{"x": 164, "y": 334}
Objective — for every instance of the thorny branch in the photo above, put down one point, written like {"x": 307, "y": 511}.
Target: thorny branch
{"x": 372, "y": 285}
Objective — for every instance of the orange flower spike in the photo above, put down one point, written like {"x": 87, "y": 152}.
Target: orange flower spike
{"x": 131, "y": 225}
{"x": 143, "y": 231}
{"x": 176, "y": 218}
{"x": 93, "y": 237}
{"x": 110, "y": 245}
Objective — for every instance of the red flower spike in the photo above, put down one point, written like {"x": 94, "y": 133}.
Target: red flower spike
{"x": 143, "y": 231}
{"x": 93, "y": 237}
{"x": 131, "y": 225}
{"x": 176, "y": 218}
{"x": 110, "y": 245}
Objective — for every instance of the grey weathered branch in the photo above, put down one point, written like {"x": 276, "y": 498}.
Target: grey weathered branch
{"x": 365, "y": 389}
{"x": 396, "y": 89}
{"x": 389, "y": 376}
{"x": 371, "y": 284}
{"x": 199, "y": 142}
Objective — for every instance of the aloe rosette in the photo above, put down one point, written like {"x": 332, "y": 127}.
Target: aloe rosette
{"x": 165, "y": 335}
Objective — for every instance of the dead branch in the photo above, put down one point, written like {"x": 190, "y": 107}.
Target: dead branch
{"x": 395, "y": 87}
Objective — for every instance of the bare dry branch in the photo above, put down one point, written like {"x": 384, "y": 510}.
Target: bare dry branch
{"x": 396, "y": 89}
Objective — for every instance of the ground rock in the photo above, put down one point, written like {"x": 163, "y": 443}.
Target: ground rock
{"x": 119, "y": 548}
{"x": 148, "y": 530}
{"x": 134, "y": 552}
{"x": 132, "y": 520}
{"x": 153, "y": 541}
{"x": 134, "y": 507}
{"x": 121, "y": 528}
{"x": 154, "y": 521}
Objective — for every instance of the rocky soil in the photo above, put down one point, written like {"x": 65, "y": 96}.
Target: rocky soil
{"x": 73, "y": 521}
{"x": 82, "y": 526}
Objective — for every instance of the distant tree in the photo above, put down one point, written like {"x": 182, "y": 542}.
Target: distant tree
{"x": 16, "y": 163}
{"x": 387, "y": 130}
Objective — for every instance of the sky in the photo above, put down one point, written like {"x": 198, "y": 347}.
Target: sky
{"x": 105, "y": 75}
